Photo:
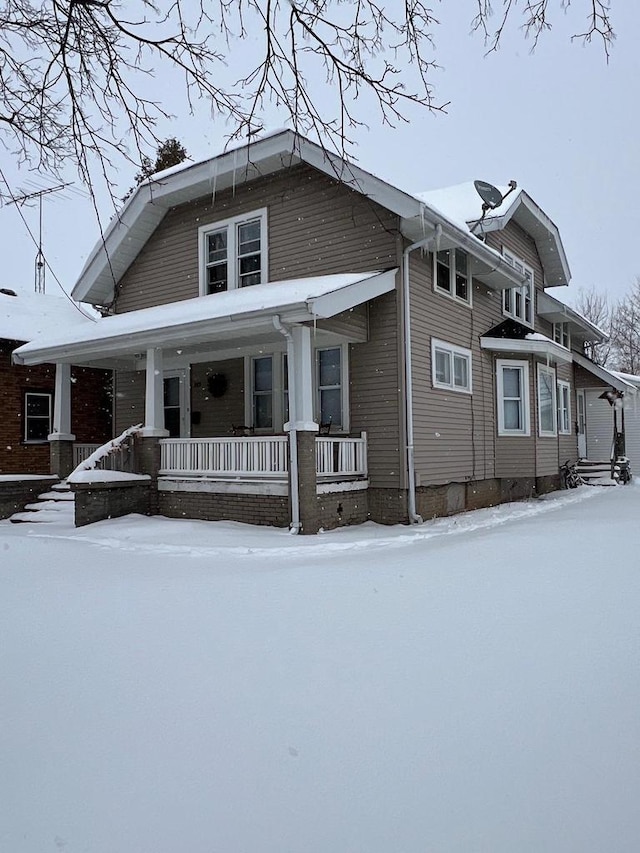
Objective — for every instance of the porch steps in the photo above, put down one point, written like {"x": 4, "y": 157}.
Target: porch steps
{"x": 597, "y": 472}
{"x": 55, "y": 505}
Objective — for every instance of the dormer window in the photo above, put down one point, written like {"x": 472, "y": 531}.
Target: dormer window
{"x": 451, "y": 274}
{"x": 233, "y": 253}
{"x": 517, "y": 302}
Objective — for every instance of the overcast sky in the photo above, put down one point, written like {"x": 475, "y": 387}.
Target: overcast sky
{"x": 561, "y": 122}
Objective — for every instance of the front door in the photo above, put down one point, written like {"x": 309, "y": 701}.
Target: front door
{"x": 175, "y": 403}
{"x": 581, "y": 424}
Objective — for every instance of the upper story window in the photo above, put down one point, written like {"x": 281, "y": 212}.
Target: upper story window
{"x": 233, "y": 253}
{"x": 561, "y": 334}
{"x": 37, "y": 416}
{"x": 451, "y": 274}
{"x": 517, "y": 302}
{"x": 450, "y": 366}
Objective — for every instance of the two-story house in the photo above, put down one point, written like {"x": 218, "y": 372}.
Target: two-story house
{"x": 308, "y": 345}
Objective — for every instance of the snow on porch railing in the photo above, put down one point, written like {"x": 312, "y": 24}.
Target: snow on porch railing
{"x": 113, "y": 455}
{"x": 337, "y": 457}
{"x": 251, "y": 457}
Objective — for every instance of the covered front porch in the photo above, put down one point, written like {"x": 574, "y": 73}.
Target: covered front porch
{"x": 242, "y": 398}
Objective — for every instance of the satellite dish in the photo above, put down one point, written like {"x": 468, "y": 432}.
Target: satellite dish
{"x": 490, "y": 195}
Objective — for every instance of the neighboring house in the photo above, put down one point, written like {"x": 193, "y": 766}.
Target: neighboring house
{"x": 27, "y": 393}
{"x": 306, "y": 344}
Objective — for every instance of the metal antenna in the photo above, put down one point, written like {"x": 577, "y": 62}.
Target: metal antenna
{"x": 40, "y": 263}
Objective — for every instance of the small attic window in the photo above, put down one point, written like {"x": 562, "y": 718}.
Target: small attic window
{"x": 7, "y": 291}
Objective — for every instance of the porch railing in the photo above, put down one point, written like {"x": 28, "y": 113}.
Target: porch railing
{"x": 120, "y": 459}
{"x": 338, "y": 456}
{"x": 258, "y": 456}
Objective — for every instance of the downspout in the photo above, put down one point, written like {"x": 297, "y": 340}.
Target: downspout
{"x": 414, "y": 518}
{"x": 294, "y": 527}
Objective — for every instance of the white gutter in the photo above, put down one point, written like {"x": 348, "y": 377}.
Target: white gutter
{"x": 295, "y": 525}
{"x": 414, "y": 518}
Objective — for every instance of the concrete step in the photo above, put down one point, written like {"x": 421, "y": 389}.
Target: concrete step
{"x": 58, "y": 504}
{"x": 42, "y": 516}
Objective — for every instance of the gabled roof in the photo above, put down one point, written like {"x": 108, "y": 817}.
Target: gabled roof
{"x": 555, "y": 311}
{"x": 221, "y": 319}
{"x": 144, "y": 210}
{"x": 464, "y": 206}
{"x": 25, "y": 316}
{"x": 620, "y": 381}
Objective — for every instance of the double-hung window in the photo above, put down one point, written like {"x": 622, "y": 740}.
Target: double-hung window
{"x": 561, "y": 334}
{"x": 450, "y": 366}
{"x": 37, "y": 415}
{"x": 330, "y": 386}
{"x": 517, "y": 302}
{"x": 233, "y": 253}
{"x": 513, "y": 397}
{"x": 564, "y": 408}
{"x": 262, "y": 392}
{"x": 547, "y": 415}
{"x": 451, "y": 274}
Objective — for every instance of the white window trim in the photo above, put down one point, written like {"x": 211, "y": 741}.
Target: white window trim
{"x": 526, "y": 407}
{"x": 540, "y": 369}
{"x": 451, "y": 294}
{"x": 452, "y": 349}
{"x": 49, "y": 395}
{"x": 564, "y": 386}
{"x": 232, "y": 253}
{"x": 184, "y": 375}
{"x": 514, "y": 260}
{"x": 344, "y": 380}
{"x": 561, "y": 327}
{"x": 278, "y": 387}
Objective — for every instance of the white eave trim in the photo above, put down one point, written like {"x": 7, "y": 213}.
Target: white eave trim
{"x": 605, "y": 375}
{"x": 546, "y": 348}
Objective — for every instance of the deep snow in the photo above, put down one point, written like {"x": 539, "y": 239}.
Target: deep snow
{"x": 469, "y": 685}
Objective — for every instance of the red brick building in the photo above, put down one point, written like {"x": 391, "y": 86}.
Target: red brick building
{"x": 27, "y": 393}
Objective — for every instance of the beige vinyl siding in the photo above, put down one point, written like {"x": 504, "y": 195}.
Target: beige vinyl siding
{"x": 516, "y": 455}
{"x": 454, "y": 432}
{"x": 316, "y": 227}
{"x": 129, "y": 402}
{"x": 217, "y": 415}
{"x": 522, "y": 245}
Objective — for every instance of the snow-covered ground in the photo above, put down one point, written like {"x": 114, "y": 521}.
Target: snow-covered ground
{"x": 469, "y": 686}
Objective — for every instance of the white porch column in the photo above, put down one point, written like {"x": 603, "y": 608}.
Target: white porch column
{"x": 154, "y": 397}
{"x": 301, "y": 376}
{"x": 62, "y": 405}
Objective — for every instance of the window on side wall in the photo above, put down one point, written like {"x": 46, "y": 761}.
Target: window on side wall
{"x": 450, "y": 366}
{"x": 547, "y": 416}
{"x": 561, "y": 334}
{"x": 451, "y": 274}
{"x": 37, "y": 415}
{"x": 518, "y": 302}
{"x": 513, "y": 398}
{"x": 233, "y": 253}
{"x": 564, "y": 408}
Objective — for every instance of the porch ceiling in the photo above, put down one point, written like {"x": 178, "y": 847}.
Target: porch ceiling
{"x": 219, "y": 321}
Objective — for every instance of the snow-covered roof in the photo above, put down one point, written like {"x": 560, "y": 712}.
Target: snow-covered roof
{"x": 143, "y": 211}
{"x": 611, "y": 377}
{"x": 26, "y": 316}
{"x": 555, "y": 311}
{"x": 462, "y": 204}
{"x": 226, "y": 316}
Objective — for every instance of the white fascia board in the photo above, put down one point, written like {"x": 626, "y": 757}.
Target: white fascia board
{"x": 548, "y": 349}
{"x": 344, "y": 298}
{"x": 604, "y": 374}
{"x": 557, "y": 312}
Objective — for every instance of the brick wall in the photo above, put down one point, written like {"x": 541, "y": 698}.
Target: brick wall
{"x": 15, "y": 494}
{"x": 98, "y": 501}
{"x": 90, "y": 410}
{"x": 339, "y": 509}
{"x": 270, "y": 510}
